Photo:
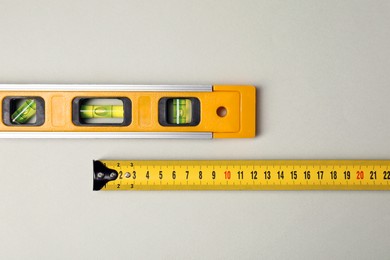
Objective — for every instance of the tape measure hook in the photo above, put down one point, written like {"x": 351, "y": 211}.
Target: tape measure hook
{"x": 102, "y": 175}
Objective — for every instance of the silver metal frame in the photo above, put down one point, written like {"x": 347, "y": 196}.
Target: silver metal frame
{"x": 110, "y": 135}
{"x": 105, "y": 87}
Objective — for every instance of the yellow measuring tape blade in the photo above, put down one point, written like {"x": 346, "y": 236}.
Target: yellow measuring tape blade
{"x": 242, "y": 175}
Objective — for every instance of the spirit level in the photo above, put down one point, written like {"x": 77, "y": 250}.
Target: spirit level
{"x": 242, "y": 175}
{"x": 125, "y": 111}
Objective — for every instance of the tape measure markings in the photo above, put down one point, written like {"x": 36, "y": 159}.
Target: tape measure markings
{"x": 242, "y": 175}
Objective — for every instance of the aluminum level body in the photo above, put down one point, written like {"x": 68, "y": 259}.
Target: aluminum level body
{"x": 127, "y": 111}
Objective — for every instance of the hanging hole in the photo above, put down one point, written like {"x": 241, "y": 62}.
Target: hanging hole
{"x": 221, "y": 111}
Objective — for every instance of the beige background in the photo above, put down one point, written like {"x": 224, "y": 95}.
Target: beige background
{"x": 322, "y": 72}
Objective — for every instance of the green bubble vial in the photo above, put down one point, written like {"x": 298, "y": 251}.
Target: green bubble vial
{"x": 101, "y": 111}
{"x": 24, "y": 112}
{"x": 180, "y": 111}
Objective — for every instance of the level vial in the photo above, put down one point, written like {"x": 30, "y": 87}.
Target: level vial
{"x": 101, "y": 111}
{"x": 25, "y": 112}
{"x": 180, "y": 111}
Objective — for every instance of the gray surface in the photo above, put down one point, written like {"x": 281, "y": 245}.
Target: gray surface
{"x": 322, "y": 71}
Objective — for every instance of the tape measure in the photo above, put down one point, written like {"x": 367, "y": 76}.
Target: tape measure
{"x": 242, "y": 175}
{"x": 127, "y": 111}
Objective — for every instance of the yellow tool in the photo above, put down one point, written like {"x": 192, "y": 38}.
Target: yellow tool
{"x": 126, "y": 111}
{"x": 242, "y": 175}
